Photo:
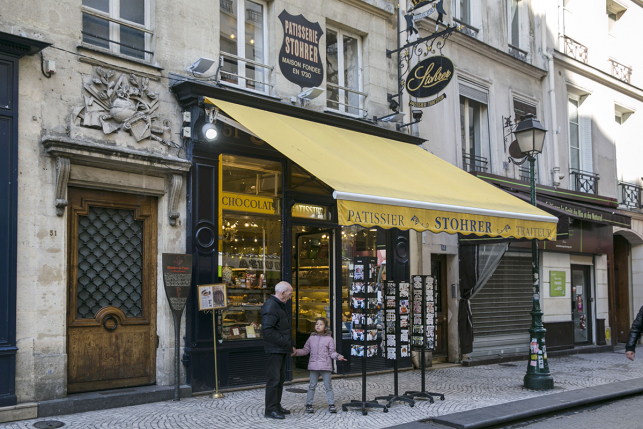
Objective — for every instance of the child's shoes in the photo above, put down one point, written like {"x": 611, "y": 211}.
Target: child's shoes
{"x": 309, "y": 409}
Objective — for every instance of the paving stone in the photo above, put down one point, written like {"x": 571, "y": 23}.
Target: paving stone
{"x": 465, "y": 388}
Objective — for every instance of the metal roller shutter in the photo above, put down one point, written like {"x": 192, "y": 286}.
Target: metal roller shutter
{"x": 501, "y": 310}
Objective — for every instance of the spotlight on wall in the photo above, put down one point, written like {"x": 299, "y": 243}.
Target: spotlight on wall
{"x": 393, "y": 117}
{"x": 311, "y": 93}
{"x": 209, "y": 130}
{"x": 417, "y": 115}
{"x": 201, "y": 66}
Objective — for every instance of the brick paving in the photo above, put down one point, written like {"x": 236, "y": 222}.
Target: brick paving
{"x": 465, "y": 388}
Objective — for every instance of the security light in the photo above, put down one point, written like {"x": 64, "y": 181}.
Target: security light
{"x": 311, "y": 93}
{"x": 201, "y": 66}
{"x": 209, "y": 131}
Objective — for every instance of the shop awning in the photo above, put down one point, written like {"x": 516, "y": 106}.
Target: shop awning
{"x": 390, "y": 184}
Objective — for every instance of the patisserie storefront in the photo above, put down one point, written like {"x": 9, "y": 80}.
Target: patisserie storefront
{"x": 285, "y": 193}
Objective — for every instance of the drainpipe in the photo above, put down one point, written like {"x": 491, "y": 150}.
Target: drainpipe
{"x": 551, "y": 78}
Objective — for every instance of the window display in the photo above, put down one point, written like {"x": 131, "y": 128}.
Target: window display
{"x": 250, "y": 241}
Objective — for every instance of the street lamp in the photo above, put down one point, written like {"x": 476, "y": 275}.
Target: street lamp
{"x": 530, "y": 135}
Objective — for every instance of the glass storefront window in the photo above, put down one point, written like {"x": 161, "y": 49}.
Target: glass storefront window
{"x": 250, "y": 241}
{"x": 358, "y": 241}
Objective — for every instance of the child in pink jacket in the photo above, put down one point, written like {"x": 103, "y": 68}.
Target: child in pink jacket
{"x": 321, "y": 347}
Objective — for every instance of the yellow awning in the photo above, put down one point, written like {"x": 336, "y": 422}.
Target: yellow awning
{"x": 390, "y": 184}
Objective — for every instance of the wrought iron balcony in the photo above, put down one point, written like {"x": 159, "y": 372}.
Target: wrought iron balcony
{"x": 584, "y": 181}
{"x": 518, "y": 53}
{"x": 630, "y": 195}
{"x": 226, "y": 5}
{"x": 574, "y": 49}
{"x": 621, "y": 72}
{"x": 467, "y": 29}
{"x": 472, "y": 163}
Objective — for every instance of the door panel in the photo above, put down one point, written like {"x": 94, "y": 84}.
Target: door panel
{"x": 112, "y": 290}
{"x": 438, "y": 272}
{"x": 581, "y": 313}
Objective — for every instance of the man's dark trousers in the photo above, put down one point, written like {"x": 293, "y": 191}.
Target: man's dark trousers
{"x": 275, "y": 377}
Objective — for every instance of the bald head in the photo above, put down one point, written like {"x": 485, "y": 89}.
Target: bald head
{"x": 283, "y": 291}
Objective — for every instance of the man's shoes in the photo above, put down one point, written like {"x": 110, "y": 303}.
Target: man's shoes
{"x": 275, "y": 415}
{"x": 284, "y": 411}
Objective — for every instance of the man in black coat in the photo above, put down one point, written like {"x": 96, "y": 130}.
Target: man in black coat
{"x": 635, "y": 334}
{"x": 278, "y": 344}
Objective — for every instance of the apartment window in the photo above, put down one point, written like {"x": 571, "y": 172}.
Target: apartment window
{"x": 344, "y": 72}
{"x": 462, "y": 10}
{"x": 121, "y": 26}
{"x": 243, "y": 44}
{"x": 513, "y": 7}
{"x": 522, "y": 109}
{"x": 574, "y": 135}
{"x": 474, "y": 128}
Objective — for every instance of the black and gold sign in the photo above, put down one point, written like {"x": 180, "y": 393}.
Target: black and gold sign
{"x": 300, "y": 59}
{"x": 419, "y": 3}
{"x": 429, "y": 77}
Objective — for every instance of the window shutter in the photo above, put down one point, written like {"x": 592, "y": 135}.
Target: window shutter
{"x": 474, "y": 94}
{"x": 586, "y": 142}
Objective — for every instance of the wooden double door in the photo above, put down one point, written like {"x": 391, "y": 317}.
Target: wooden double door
{"x": 111, "y": 313}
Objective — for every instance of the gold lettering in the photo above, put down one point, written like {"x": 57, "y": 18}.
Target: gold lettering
{"x": 427, "y": 80}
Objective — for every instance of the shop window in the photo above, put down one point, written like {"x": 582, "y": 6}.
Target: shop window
{"x": 513, "y": 12}
{"x": 250, "y": 241}
{"x": 244, "y": 175}
{"x": 304, "y": 182}
{"x": 362, "y": 242}
{"x": 244, "y": 44}
{"x": 473, "y": 128}
{"x": 122, "y": 27}
{"x": 344, "y": 72}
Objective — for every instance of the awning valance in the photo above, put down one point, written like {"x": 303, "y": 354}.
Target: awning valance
{"x": 386, "y": 183}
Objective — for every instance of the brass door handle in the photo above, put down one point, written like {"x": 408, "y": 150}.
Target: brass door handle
{"x": 113, "y": 327}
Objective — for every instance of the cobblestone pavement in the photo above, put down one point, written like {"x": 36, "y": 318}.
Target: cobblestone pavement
{"x": 621, "y": 414}
{"x": 465, "y": 389}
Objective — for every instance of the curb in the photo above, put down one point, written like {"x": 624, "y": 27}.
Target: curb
{"x": 528, "y": 408}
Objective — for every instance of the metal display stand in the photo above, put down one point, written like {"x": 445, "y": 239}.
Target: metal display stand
{"x": 390, "y": 399}
{"x": 363, "y": 404}
{"x": 423, "y": 393}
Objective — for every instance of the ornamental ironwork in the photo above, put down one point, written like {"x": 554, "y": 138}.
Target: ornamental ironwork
{"x": 584, "y": 181}
{"x": 517, "y": 53}
{"x": 574, "y": 49}
{"x": 621, "y": 72}
{"x": 630, "y": 195}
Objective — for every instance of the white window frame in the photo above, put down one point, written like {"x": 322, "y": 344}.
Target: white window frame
{"x": 569, "y": 133}
{"x": 241, "y": 49}
{"x": 510, "y": 41}
{"x": 341, "y": 108}
{"x": 457, "y": 11}
{"x": 115, "y": 22}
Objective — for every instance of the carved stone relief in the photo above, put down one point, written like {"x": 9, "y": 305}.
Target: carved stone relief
{"x": 62, "y": 177}
{"x": 176, "y": 183}
{"x": 121, "y": 101}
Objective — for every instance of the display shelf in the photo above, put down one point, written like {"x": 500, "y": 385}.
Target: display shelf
{"x": 245, "y": 307}
{"x": 243, "y": 289}
{"x": 314, "y": 267}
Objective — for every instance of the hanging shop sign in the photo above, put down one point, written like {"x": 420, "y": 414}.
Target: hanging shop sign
{"x": 248, "y": 203}
{"x": 557, "y": 283}
{"x": 300, "y": 58}
{"x": 428, "y": 78}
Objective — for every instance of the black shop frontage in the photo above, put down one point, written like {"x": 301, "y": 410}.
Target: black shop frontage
{"x": 255, "y": 218}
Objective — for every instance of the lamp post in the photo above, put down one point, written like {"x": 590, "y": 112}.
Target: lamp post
{"x": 530, "y": 135}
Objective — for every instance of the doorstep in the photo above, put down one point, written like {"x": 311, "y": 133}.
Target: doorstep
{"x": 105, "y": 399}
{"x": 488, "y": 360}
{"x": 28, "y": 410}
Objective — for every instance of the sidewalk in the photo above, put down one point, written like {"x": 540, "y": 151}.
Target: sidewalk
{"x": 464, "y": 388}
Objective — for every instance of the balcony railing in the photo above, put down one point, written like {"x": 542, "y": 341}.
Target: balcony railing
{"x": 518, "y": 53}
{"x": 574, "y": 49}
{"x": 472, "y": 163}
{"x": 226, "y": 5}
{"x": 621, "y": 72}
{"x": 256, "y": 77}
{"x": 355, "y": 99}
{"x": 630, "y": 195}
{"x": 584, "y": 181}
{"x": 467, "y": 29}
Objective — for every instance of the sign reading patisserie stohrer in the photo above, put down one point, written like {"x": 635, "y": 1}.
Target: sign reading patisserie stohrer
{"x": 300, "y": 59}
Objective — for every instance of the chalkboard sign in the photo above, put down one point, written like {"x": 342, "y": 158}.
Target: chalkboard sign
{"x": 177, "y": 277}
{"x": 300, "y": 58}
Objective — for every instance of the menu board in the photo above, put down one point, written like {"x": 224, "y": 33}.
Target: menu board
{"x": 424, "y": 318}
{"x": 177, "y": 277}
{"x": 366, "y": 305}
